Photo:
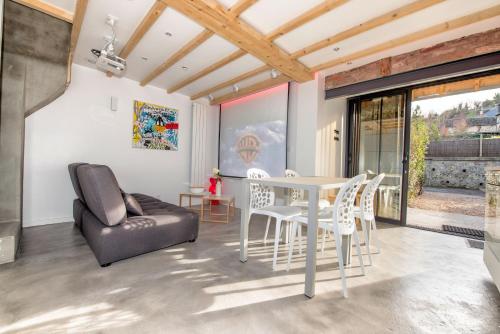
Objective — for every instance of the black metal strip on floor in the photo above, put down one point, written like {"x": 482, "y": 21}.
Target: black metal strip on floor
{"x": 448, "y": 232}
{"x": 463, "y": 230}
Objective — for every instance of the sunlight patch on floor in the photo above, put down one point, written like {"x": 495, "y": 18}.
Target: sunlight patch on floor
{"x": 74, "y": 319}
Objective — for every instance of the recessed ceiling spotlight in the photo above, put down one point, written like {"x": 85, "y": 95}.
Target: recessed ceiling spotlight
{"x": 336, "y": 49}
{"x": 274, "y": 73}
{"x": 185, "y": 68}
{"x": 144, "y": 58}
{"x": 168, "y": 34}
{"x": 210, "y": 97}
{"x": 236, "y": 88}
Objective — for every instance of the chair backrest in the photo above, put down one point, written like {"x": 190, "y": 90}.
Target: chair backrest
{"x": 260, "y": 195}
{"x": 343, "y": 208}
{"x": 368, "y": 195}
{"x": 295, "y": 194}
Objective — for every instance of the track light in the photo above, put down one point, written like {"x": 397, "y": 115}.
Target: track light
{"x": 274, "y": 73}
{"x": 236, "y": 88}
{"x": 210, "y": 97}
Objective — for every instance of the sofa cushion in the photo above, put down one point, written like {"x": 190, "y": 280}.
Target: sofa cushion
{"x": 132, "y": 205}
{"x": 102, "y": 194}
{"x": 74, "y": 179}
{"x": 138, "y": 235}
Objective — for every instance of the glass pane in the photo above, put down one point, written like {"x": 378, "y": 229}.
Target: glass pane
{"x": 391, "y": 156}
{"x": 369, "y": 137}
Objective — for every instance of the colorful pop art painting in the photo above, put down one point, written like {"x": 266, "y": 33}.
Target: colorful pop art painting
{"x": 155, "y": 127}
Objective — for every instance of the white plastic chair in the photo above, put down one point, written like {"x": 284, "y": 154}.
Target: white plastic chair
{"x": 366, "y": 212}
{"x": 297, "y": 195}
{"x": 296, "y": 198}
{"x": 262, "y": 203}
{"x": 340, "y": 220}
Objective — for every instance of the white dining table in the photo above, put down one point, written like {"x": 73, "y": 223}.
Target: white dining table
{"x": 313, "y": 185}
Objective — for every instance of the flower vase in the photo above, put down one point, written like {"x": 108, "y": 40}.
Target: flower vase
{"x": 218, "y": 188}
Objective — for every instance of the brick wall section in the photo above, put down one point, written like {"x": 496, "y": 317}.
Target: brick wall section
{"x": 457, "y": 49}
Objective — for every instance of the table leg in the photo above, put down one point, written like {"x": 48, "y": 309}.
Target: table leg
{"x": 202, "y": 210}
{"x": 227, "y": 212}
{"x": 190, "y": 202}
{"x": 312, "y": 239}
{"x": 244, "y": 223}
{"x": 180, "y": 200}
{"x": 346, "y": 249}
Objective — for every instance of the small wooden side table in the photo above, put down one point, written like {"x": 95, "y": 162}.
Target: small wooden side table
{"x": 227, "y": 200}
{"x": 190, "y": 196}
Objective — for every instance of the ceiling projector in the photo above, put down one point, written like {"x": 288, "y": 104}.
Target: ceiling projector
{"x": 106, "y": 60}
{"x": 109, "y": 62}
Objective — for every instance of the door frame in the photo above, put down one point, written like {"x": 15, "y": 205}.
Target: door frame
{"x": 353, "y": 117}
{"x": 407, "y": 91}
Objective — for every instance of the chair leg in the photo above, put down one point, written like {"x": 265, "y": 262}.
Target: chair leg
{"x": 323, "y": 242}
{"x": 290, "y": 246}
{"x": 338, "y": 244}
{"x": 358, "y": 248}
{"x": 267, "y": 229}
{"x": 375, "y": 234}
{"x": 367, "y": 239}
{"x": 287, "y": 232}
{"x": 300, "y": 238}
{"x": 276, "y": 242}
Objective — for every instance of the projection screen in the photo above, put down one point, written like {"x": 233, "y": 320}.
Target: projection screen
{"x": 253, "y": 133}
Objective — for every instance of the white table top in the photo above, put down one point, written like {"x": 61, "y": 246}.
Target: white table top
{"x": 212, "y": 197}
{"x": 302, "y": 182}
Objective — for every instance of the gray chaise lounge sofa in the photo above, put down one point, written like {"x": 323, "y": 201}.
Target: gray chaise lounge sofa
{"x": 114, "y": 234}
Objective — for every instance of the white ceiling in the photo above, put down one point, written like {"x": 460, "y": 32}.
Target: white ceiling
{"x": 264, "y": 16}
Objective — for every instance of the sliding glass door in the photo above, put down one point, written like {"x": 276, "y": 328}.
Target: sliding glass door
{"x": 376, "y": 145}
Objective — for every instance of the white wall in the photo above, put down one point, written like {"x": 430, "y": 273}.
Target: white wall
{"x": 306, "y": 99}
{"x": 330, "y": 154}
{"x": 79, "y": 126}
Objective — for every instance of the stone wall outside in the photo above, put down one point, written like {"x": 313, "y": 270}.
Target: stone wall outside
{"x": 457, "y": 172}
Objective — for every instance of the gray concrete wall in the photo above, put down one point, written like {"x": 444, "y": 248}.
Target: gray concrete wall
{"x": 457, "y": 172}
{"x": 34, "y": 71}
{"x": 11, "y": 137}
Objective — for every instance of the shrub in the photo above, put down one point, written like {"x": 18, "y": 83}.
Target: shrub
{"x": 419, "y": 140}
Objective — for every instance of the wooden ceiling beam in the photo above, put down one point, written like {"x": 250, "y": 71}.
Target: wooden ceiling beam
{"x": 457, "y": 87}
{"x": 233, "y": 56}
{"x": 233, "y": 81}
{"x": 252, "y": 89}
{"x": 214, "y": 17}
{"x": 368, "y": 25}
{"x": 306, "y": 17}
{"x": 416, "y": 36}
{"x": 234, "y": 12}
{"x": 190, "y": 46}
{"x": 79, "y": 15}
{"x": 147, "y": 22}
{"x": 48, "y": 9}
{"x": 240, "y": 7}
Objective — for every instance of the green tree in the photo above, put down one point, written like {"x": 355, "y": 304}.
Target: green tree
{"x": 434, "y": 134}
{"x": 491, "y": 103}
{"x": 496, "y": 98}
{"x": 419, "y": 140}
